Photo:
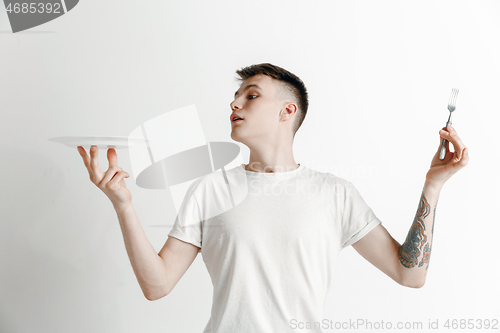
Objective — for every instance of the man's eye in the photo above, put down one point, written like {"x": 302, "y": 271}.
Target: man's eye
{"x": 251, "y": 96}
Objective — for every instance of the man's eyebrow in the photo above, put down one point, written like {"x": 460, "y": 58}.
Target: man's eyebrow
{"x": 248, "y": 87}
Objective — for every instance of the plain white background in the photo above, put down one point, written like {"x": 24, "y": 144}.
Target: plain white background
{"x": 379, "y": 76}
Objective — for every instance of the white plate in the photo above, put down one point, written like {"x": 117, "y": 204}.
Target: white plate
{"x": 102, "y": 142}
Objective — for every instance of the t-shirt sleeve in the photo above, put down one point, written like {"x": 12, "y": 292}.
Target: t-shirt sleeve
{"x": 358, "y": 219}
{"x": 188, "y": 224}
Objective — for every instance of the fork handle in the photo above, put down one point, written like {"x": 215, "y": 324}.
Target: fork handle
{"x": 442, "y": 148}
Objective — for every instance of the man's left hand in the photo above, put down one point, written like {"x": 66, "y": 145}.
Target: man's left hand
{"x": 441, "y": 170}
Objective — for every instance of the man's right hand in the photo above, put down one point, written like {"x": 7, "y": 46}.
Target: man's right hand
{"x": 112, "y": 182}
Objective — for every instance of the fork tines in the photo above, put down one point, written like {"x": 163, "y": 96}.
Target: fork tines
{"x": 453, "y": 99}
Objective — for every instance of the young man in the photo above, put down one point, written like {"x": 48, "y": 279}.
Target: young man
{"x": 270, "y": 255}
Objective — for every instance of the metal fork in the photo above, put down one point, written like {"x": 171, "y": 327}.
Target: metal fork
{"x": 451, "y": 108}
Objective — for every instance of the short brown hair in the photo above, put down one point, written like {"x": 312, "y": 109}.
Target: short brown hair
{"x": 291, "y": 81}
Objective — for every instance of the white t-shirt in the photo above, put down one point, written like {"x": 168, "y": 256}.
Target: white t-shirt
{"x": 269, "y": 242}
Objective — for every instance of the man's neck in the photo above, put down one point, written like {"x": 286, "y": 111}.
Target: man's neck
{"x": 271, "y": 158}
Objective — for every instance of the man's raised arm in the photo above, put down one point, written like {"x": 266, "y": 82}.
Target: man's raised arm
{"x": 407, "y": 263}
{"x": 157, "y": 273}
{"x": 415, "y": 252}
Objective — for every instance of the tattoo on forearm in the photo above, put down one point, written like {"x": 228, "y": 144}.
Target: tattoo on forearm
{"x": 427, "y": 249}
{"x": 410, "y": 250}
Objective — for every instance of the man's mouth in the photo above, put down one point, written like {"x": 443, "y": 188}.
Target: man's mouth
{"x": 235, "y": 117}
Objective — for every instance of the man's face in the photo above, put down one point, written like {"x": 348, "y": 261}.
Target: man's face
{"x": 257, "y": 103}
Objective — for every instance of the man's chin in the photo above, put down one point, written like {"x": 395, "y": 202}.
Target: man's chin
{"x": 236, "y": 137}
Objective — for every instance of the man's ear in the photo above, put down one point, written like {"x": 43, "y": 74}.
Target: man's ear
{"x": 288, "y": 111}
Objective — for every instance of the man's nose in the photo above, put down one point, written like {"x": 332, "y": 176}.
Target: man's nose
{"x": 234, "y": 105}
